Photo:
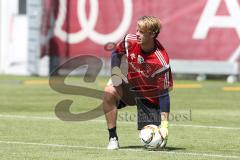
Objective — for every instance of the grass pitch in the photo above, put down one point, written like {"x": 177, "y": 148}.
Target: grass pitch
{"x": 204, "y": 123}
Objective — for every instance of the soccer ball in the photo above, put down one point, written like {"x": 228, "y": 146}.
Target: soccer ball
{"x": 150, "y": 136}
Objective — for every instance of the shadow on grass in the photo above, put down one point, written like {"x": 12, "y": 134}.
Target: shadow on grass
{"x": 159, "y": 149}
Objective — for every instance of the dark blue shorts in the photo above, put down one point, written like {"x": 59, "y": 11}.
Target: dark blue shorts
{"x": 148, "y": 113}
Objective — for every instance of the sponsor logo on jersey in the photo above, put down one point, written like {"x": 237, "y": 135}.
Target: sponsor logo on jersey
{"x": 132, "y": 56}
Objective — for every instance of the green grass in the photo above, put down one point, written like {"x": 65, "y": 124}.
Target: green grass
{"x": 28, "y": 132}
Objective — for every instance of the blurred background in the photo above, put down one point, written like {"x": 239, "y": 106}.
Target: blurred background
{"x": 202, "y": 37}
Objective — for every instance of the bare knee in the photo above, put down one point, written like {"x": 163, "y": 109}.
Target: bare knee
{"x": 110, "y": 94}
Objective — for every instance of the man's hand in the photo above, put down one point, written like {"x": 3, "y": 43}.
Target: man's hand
{"x": 117, "y": 77}
{"x": 164, "y": 133}
{"x": 164, "y": 129}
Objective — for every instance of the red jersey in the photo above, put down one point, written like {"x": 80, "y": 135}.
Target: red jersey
{"x": 147, "y": 71}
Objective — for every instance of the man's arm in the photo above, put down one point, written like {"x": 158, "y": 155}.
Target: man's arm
{"x": 164, "y": 102}
{"x": 161, "y": 71}
{"x": 116, "y": 59}
{"x": 164, "y": 116}
{"x": 116, "y": 74}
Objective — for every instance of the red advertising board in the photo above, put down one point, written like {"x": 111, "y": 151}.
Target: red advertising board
{"x": 192, "y": 29}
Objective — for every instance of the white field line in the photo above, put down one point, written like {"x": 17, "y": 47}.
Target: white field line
{"x": 124, "y": 149}
{"x": 203, "y": 126}
{"x": 3, "y": 116}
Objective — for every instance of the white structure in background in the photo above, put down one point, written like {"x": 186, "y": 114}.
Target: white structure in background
{"x": 13, "y": 39}
{"x": 36, "y": 65}
{"x": 15, "y": 52}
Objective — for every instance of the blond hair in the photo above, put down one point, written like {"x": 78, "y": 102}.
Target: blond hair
{"x": 150, "y": 24}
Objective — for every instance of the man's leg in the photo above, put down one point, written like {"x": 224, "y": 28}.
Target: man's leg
{"x": 110, "y": 99}
{"x": 148, "y": 113}
{"x": 109, "y": 106}
{"x": 151, "y": 114}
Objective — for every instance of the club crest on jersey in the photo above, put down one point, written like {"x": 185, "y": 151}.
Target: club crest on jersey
{"x": 140, "y": 59}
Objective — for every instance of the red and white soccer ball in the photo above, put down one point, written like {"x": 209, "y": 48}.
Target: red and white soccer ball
{"x": 150, "y": 137}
